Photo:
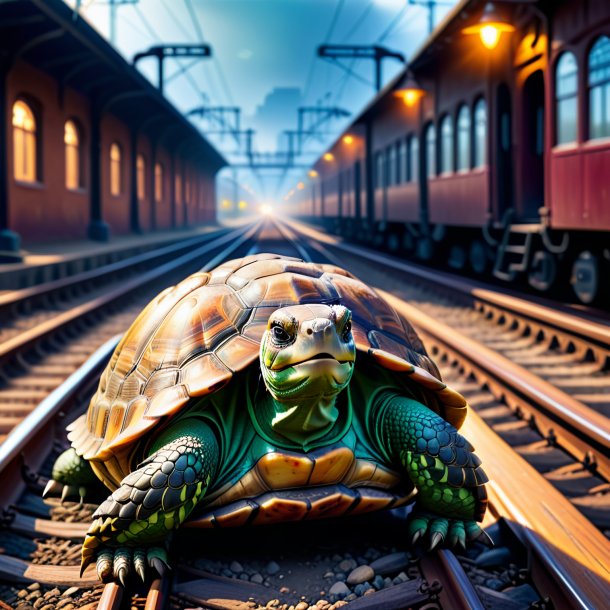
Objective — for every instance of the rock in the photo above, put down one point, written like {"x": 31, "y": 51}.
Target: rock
{"x": 236, "y": 567}
{"x": 359, "y": 590}
{"x": 68, "y": 592}
{"x": 41, "y": 601}
{"x": 523, "y": 594}
{"x": 244, "y": 576}
{"x": 272, "y": 568}
{"x": 226, "y": 572}
{"x": 346, "y": 565}
{"x": 284, "y": 590}
{"x": 378, "y": 582}
{"x": 371, "y": 554}
{"x": 338, "y": 605}
{"x": 494, "y": 583}
{"x": 302, "y": 606}
{"x": 64, "y": 603}
{"x": 336, "y": 558}
{"x": 339, "y": 590}
{"x": 387, "y": 582}
{"x": 403, "y": 577}
{"x": 390, "y": 564}
{"x": 35, "y": 586}
{"x": 499, "y": 556}
{"x": 369, "y": 592}
{"x": 329, "y": 575}
{"x": 257, "y": 578}
{"x": 351, "y": 597}
{"x": 360, "y": 574}
{"x": 341, "y": 576}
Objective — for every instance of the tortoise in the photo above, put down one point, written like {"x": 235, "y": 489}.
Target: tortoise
{"x": 269, "y": 389}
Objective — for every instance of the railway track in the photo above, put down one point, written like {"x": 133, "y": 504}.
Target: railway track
{"x": 50, "y": 329}
{"x": 314, "y": 554}
{"x": 524, "y": 366}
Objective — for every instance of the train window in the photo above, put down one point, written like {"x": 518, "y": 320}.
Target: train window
{"x": 391, "y": 161}
{"x": 401, "y": 161}
{"x": 115, "y": 169}
{"x": 446, "y": 145}
{"x": 463, "y": 139}
{"x": 413, "y": 159}
{"x": 379, "y": 167}
{"x": 431, "y": 151}
{"x": 158, "y": 182}
{"x": 141, "y": 177}
{"x": 25, "y": 143}
{"x": 73, "y": 148}
{"x": 480, "y": 134}
{"x": 566, "y": 95}
{"x": 599, "y": 89}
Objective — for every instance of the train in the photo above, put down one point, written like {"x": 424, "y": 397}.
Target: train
{"x": 489, "y": 152}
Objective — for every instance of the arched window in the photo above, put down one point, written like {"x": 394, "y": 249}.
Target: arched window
{"x": 158, "y": 182}
{"x": 115, "y": 169}
{"x": 447, "y": 145}
{"x": 480, "y": 134}
{"x": 25, "y": 144}
{"x": 430, "y": 151}
{"x": 566, "y": 98}
{"x": 463, "y": 139}
{"x": 72, "y": 142}
{"x": 599, "y": 89}
{"x": 413, "y": 159}
{"x": 141, "y": 177}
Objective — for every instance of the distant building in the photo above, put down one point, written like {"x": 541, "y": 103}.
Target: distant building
{"x": 277, "y": 113}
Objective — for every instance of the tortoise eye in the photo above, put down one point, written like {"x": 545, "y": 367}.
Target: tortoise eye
{"x": 347, "y": 329}
{"x": 279, "y": 333}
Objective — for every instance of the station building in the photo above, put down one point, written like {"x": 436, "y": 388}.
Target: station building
{"x": 88, "y": 147}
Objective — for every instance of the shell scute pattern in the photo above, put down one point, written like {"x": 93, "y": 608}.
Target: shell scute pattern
{"x": 190, "y": 340}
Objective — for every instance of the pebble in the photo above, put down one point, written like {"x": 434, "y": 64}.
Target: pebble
{"x": 378, "y": 582}
{"x": 494, "y": 583}
{"x": 302, "y": 606}
{"x": 272, "y": 568}
{"x": 284, "y": 590}
{"x": 339, "y": 589}
{"x": 369, "y": 592}
{"x": 35, "y": 586}
{"x": 336, "y": 558}
{"x": 402, "y": 577}
{"x": 64, "y": 603}
{"x": 524, "y": 594}
{"x": 359, "y": 590}
{"x": 346, "y": 565}
{"x": 495, "y": 557}
{"x": 257, "y": 578}
{"x": 226, "y": 572}
{"x": 244, "y": 576}
{"x": 236, "y": 567}
{"x": 360, "y": 574}
{"x": 389, "y": 564}
{"x": 341, "y": 576}
{"x": 329, "y": 575}
{"x": 387, "y": 582}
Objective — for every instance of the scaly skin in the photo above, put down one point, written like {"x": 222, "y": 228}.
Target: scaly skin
{"x": 151, "y": 501}
{"x": 442, "y": 466}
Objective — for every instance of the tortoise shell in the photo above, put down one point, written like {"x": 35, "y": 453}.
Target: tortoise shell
{"x": 191, "y": 339}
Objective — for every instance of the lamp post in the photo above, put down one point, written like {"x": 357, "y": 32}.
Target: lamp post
{"x": 411, "y": 91}
{"x": 490, "y": 27}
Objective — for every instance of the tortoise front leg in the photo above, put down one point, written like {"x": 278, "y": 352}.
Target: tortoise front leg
{"x": 130, "y": 527}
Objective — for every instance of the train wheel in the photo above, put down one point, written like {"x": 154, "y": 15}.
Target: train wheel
{"x": 457, "y": 257}
{"x": 478, "y": 257}
{"x": 543, "y": 271}
{"x": 585, "y": 277}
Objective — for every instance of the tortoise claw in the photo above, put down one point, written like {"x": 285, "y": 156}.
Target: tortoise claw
{"x": 53, "y": 487}
{"x": 436, "y": 539}
{"x": 417, "y": 535}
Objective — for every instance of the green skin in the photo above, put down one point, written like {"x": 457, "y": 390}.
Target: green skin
{"x": 305, "y": 407}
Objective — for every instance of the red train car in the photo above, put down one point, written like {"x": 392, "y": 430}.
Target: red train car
{"x": 499, "y": 162}
{"x": 87, "y": 145}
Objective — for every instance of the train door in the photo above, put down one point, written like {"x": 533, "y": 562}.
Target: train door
{"x": 532, "y": 155}
{"x": 504, "y": 150}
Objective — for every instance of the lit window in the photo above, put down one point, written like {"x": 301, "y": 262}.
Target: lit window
{"x": 115, "y": 169}
{"x": 430, "y": 151}
{"x": 480, "y": 134}
{"x": 446, "y": 145}
{"x": 463, "y": 139}
{"x": 566, "y": 87}
{"x": 413, "y": 159}
{"x": 158, "y": 182}
{"x": 141, "y": 177}
{"x": 24, "y": 143}
{"x": 73, "y": 156}
{"x": 599, "y": 89}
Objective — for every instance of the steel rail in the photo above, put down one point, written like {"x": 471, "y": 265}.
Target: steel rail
{"x": 16, "y": 298}
{"x": 30, "y": 337}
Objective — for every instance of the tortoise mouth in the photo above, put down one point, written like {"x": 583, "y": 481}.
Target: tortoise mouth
{"x": 323, "y": 356}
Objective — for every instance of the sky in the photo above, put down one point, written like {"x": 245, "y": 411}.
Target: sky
{"x": 260, "y": 47}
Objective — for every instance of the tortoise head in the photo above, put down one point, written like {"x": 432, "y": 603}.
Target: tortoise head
{"x": 307, "y": 352}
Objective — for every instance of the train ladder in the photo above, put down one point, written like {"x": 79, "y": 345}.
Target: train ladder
{"x": 513, "y": 254}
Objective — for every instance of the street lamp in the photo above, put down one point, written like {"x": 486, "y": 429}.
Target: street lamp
{"x": 348, "y": 139}
{"x": 411, "y": 92}
{"x": 313, "y": 173}
{"x": 328, "y": 157}
{"x": 490, "y": 27}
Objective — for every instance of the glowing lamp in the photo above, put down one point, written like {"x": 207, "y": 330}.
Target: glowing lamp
{"x": 411, "y": 93}
{"x": 348, "y": 140}
{"x": 266, "y": 209}
{"x": 329, "y": 157}
{"x": 490, "y": 27}
{"x": 243, "y": 205}
{"x": 313, "y": 173}
{"x": 301, "y": 186}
